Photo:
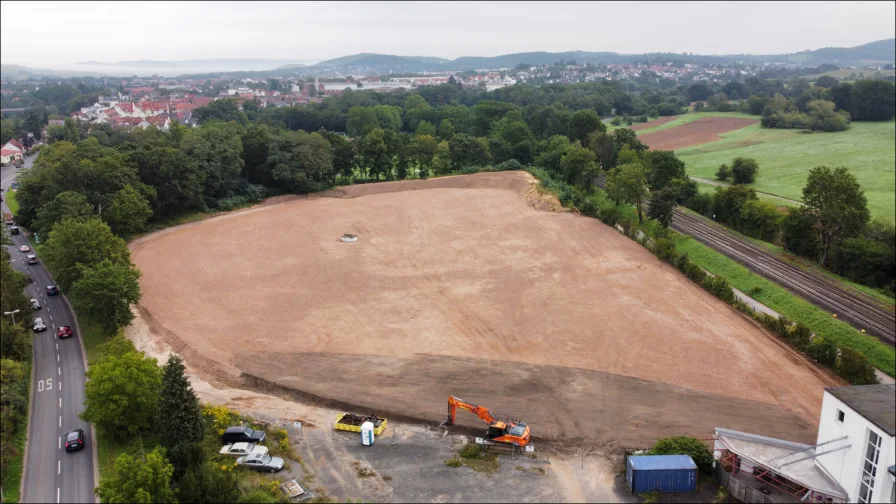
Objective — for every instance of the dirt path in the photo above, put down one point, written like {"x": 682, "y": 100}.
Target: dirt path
{"x": 459, "y": 286}
{"x": 694, "y": 133}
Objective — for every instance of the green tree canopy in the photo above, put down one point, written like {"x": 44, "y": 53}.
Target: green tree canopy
{"x": 743, "y": 170}
{"x": 176, "y": 177}
{"x": 179, "y": 416}
{"x": 628, "y": 183}
{"x": 141, "y": 479}
{"x": 583, "y": 123}
{"x": 105, "y": 292}
{"x": 837, "y": 205}
{"x": 74, "y": 244}
{"x": 128, "y": 211}
{"x": 66, "y": 205}
{"x": 662, "y": 167}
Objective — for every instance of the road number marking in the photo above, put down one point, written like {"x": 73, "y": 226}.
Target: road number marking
{"x": 45, "y": 384}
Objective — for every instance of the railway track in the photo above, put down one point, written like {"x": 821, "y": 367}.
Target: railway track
{"x": 859, "y": 310}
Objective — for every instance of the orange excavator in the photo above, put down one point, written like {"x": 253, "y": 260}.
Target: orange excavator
{"x": 505, "y": 432}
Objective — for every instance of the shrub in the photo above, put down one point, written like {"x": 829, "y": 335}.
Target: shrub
{"x": 665, "y": 250}
{"x": 800, "y": 336}
{"x": 685, "y": 445}
{"x": 510, "y": 164}
{"x": 453, "y": 462}
{"x": 823, "y": 350}
{"x": 610, "y": 216}
{"x": 724, "y": 172}
{"x": 220, "y": 416}
{"x": 701, "y": 203}
{"x": 743, "y": 170}
{"x": 722, "y": 289}
{"x": 855, "y": 368}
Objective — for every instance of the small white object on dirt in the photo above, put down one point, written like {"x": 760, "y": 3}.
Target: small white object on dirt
{"x": 348, "y": 238}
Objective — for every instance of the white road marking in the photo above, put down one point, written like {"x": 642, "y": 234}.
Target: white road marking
{"x": 60, "y": 420}
{"x": 57, "y": 346}
{"x": 60, "y": 442}
{"x": 57, "y": 358}
{"x": 48, "y": 309}
{"x": 59, "y": 383}
{"x": 57, "y": 495}
{"x": 60, "y": 402}
{"x": 58, "y": 467}
{"x": 59, "y": 370}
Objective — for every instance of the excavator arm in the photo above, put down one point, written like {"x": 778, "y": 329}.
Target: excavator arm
{"x": 480, "y": 411}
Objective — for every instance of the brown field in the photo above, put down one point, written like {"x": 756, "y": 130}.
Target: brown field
{"x": 654, "y": 123}
{"x": 694, "y": 133}
{"x": 459, "y": 285}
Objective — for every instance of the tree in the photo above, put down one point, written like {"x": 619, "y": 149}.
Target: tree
{"x": 797, "y": 233}
{"x": 71, "y": 130}
{"x": 513, "y": 140}
{"x": 686, "y": 445}
{"x": 225, "y": 110}
{"x": 425, "y": 128}
{"x": 446, "y": 130}
{"x": 855, "y": 368}
{"x": 217, "y": 150}
{"x": 374, "y": 154}
{"x": 208, "y": 483}
{"x": 822, "y": 116}
{"x": 724, "y": 172}
{"x": 122, "y": 394}
{"x": 579, "y": 167}
{"x": 74, "y": 244}
{"x": 422, "y": 153}
{"x": 66, "y": 205}
{"x": 729, "y": 202}
{"x": 128, "y": 211}
{"x": 583, "y": 123}
{"x": 179, "y": 416}
{"x": 837, "y": 205}
{"x": 826, "y": 81}
{"x": 759, "y": 219}
{"x": 143, "y": 479}
{"x": 743, "y": 170}
{"x": 105, "y": 292}
{"x": 628, "y": 183}
{"x": 553, "y": 153}
{"x": 663, "y": 166}
{"x": 872, "y": 100}
{"x": 468, "y": 151}
{"x": 344, "y": 154}
{"x": 175, "y": 176}
{"x": 699, "y": 91}
{"x": 361, "y": 121}
{"x": 488, "y": 112}
{"x": 625, "y": 137}
{"x": 388, "y": 117}
{"x": 603, "y": 146}
{"x": 662, "y": 203}
{"x": 441, "y": 161}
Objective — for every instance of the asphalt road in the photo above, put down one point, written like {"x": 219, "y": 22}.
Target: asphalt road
{"x": 57, "y": 392}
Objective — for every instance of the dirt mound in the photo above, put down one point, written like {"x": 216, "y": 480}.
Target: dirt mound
{"x": 694, "y": 133}
{"x": 460, "y": 286}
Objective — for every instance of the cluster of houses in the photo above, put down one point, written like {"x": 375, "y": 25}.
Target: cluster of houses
{"x": 12, "y": 152}
{"x": 121, "y": 112}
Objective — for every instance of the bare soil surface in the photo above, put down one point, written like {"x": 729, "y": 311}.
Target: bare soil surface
{"x": 654, "y": 123}
{"x": 694, "y": 133}
{"x": 462, "y": 286}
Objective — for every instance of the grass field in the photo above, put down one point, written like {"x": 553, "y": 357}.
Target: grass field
{"x": 785, "y": 157}
{"x": 846, "y": 72}
{"x": 11, "y": 202}
{"x": 822, "y": 323}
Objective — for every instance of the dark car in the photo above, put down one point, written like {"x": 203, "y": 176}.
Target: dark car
{"x": 242, "y": 435}
{"x": 14, "y": 230}
{"x": 52, "y": 290}
{"x": 74, "y": 440}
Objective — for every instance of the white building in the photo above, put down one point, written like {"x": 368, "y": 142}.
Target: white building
{"x": 853, "y": 460}
{"x": 866, "y": 417}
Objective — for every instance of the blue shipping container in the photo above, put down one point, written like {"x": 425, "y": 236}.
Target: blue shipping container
{"x": 663, "y": 473}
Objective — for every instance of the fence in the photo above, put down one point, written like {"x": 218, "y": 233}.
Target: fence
{"x": 739, "y": 490}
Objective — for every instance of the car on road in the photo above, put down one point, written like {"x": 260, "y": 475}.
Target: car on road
{"x": 259, "y": 462}
{"x": 25, "y": 248}
{"x": 74, "y": 440}
{"x": 14, "y": 230}
{"x": 35, "y": 304}
{"x": 31, "y": 259}
{"x": 242, "y": 435}
{"x": 243, "y": 449}
{"x": 39, "y": 325}
{"x": 52, "y": 290}
{"x": 64, "y": 332}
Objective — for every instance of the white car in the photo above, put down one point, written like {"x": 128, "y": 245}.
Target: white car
{"x": 35, "y": 304}
{"x": 243, "y": 449}
{"x": 39, "y": 325}
{"x": 25, "y": 248}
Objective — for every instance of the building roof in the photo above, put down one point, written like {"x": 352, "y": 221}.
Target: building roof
{"x": 877, "y": 403}
{"x": 661, "y": 462}
{"x": 7, "y": 152}
{"x": 786, "y": 458}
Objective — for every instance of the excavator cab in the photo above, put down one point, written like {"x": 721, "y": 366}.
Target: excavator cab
{"x": 496, "y": 430}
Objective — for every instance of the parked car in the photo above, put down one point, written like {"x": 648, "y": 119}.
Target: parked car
{"x": 74, "y": 440}
{"x": 14, "y": 230}
{"x": 242, "y": 449}
{"x": 52, "y": 290}
{"x": 259, "y": 462}
{"x": 31, "y": 259}
{"x": 64, "y": 332}
{"x": 25, "y": 248}
{"x": 39, "y": 325}
{"x": 35, "y": 304}
{"x": 242, "y": 435}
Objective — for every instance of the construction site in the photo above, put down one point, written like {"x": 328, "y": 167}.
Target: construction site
{"x": 390, "y": 298}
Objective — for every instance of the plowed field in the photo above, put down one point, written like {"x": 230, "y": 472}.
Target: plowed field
{"x": 469, "y": 286}
{"x": 693, "y": 133}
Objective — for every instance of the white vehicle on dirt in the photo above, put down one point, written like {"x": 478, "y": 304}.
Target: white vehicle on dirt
{"x": 243, "y": 449}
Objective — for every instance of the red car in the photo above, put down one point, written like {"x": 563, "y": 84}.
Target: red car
{"x": 64, "y": 332}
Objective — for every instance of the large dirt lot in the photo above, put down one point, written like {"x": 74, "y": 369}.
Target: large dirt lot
{"x": 467, "y": 286}
{"x": 694, "y": 133}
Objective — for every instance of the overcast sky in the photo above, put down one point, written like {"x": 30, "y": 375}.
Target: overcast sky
{"x": 51, "y": 34}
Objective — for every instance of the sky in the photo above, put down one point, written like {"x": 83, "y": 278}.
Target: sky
{"x": 60, "y": 34}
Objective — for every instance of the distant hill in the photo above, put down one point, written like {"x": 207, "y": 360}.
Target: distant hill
{"x": 882, "y": 51}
